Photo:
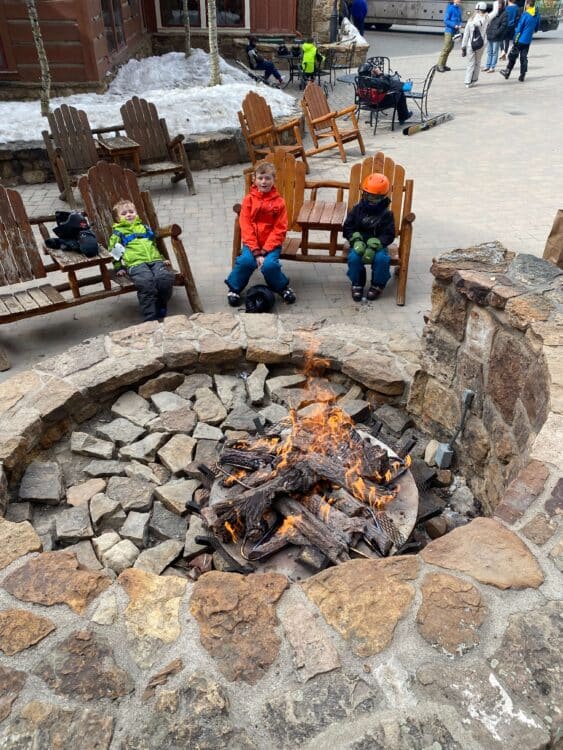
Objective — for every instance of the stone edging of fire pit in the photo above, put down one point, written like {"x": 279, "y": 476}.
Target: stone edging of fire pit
{"x": 459, "y": 645}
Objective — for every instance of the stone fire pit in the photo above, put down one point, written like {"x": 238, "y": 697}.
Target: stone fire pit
{"x": 457, "y": 646}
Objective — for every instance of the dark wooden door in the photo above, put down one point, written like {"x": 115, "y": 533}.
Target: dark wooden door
{"x": 273, "y": 16}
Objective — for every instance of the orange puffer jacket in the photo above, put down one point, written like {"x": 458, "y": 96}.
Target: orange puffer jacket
{"x": 263, "y": 220}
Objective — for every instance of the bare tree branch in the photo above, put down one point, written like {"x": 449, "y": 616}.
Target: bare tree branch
{"x": 42, "y": 56}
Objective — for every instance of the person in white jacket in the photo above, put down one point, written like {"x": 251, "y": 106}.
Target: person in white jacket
{"x": 475, "y": 27}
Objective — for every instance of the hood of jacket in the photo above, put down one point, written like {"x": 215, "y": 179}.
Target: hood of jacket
{"x": 129, "y": 227}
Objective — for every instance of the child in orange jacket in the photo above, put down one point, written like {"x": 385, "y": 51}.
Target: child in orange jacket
{"x": 263, "y": 225}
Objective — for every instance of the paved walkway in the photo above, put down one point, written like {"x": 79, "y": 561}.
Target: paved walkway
{"x": 494, "y": 172}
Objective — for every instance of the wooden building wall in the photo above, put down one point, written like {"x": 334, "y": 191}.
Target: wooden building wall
{"x": 74, "y": 37}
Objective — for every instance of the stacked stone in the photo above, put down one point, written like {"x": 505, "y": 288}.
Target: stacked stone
{"x": 495, "y": 328}
{"x": 118, "y": 493}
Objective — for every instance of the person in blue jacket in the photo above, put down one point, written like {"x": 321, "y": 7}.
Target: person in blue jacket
{"x": 452, "y": 24}
{"x": 512, "y": 14}
{"x": 527, "y": 26}
{"x": 359, "y": 11}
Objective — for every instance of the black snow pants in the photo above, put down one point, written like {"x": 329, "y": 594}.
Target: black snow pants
{"x": 154, "y": 283}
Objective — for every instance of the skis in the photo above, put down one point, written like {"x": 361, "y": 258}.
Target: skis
{"x": 255, "y": 75}
{"x": 420, "y": 127}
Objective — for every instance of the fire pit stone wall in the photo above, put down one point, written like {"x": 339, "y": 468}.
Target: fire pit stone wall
{"x": 495, "y": 327}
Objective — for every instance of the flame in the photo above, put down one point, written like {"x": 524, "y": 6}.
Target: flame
{"x": 288, "y": 527}
{"x": 234, "y": 531}
{"x": 233, "y": 477}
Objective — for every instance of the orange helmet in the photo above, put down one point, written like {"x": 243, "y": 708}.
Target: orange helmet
{"x": 376, "y": 184}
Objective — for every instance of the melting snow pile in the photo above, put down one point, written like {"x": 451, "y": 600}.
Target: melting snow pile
{"x": 178, "y": 86}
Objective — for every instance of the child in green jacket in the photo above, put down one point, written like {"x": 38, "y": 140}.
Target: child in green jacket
{"x": 135, "y": 253}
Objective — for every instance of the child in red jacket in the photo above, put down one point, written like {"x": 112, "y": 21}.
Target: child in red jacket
{"x": 263, "y": 225}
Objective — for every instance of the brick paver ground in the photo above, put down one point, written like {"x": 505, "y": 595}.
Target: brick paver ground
{"x": 494, "y": 172}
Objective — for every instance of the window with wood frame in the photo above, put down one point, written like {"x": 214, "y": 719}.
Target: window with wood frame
{"x": 113, "y": 24}
{"x": 230, "y": 13}
{"x": 172, "y": 14}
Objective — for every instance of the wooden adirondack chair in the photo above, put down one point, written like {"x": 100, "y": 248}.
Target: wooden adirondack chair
{"x": 106, "y": 184}
{"x": 306, "y": 200}
{"x": 261, "y": 133}
{"x": 322, "y": 123}
{"x": 159, "y": 154}
{"x": 71, "y": 147}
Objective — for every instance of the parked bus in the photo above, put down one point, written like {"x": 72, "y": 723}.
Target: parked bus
{"x": 384, "y": 13}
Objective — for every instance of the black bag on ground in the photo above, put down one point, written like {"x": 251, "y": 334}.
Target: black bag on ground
{"x": 73, "y": 233}
{"x": 476, "y": 39}
{"x": 259, "y": 299}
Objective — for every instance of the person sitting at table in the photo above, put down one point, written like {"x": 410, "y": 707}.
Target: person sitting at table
{"x": 136, "y": 255}
{"x": 368, "y": 230}
{"x": 258, "y": 62}
{"x": 389, "y": 90}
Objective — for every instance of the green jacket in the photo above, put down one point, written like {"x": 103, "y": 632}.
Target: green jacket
{"x": 309, "y": 55}
{"x": 137, "y": 250}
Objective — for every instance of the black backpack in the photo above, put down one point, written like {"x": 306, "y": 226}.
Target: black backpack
{"x": 496, "y": 31}
{"x": 73, "y": 233}
{"x": 259, "y": 299}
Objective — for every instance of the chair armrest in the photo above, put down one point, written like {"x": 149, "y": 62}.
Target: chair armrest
{"x": 237, "y": 208}
{"x": 291, "y": 124}
{"x": 175, "y": 141}
{"x": 409, "y": 218}
{"x": 346, "y": 110}
{"x": 315, "y": 184}
{"x": 263, "y": 131}
{"x": 172, "y": 230}
{"x": 324, "y": 118}
{"x": 110, "y": 129}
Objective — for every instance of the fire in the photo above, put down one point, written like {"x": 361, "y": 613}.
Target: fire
{"x": 234, "y": 531}
{"x": 288, "y": 526}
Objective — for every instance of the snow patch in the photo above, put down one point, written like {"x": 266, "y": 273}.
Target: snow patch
{"x": 177, "y": 85}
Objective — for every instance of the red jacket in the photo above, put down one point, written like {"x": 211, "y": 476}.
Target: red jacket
{"x": 263, "y": 220}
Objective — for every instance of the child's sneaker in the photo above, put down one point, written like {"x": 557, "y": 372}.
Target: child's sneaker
{"x": 288, "y": 296}
{"x": 234, "y": 299}
{"x": 374, "y": 292}
{"x": 357, "y": 293}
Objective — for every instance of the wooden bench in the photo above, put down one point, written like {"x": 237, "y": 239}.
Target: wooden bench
{"x": 50, "y": 281}
{"x": 301, "y": 196}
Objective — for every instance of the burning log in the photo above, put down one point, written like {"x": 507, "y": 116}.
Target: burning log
{"x": 349, "y": 528}
{"x": 319, "y": 535}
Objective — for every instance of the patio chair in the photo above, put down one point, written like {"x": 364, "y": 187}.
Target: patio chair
{"x": 71, "y": 147}
{"x": 420, "y": 98}
{"x": 343, "y": 60}
{"x": 323, "y": 125}
{"x": 158, "y": 153}
{"x": 380, "y": 61}
{"x": 106, "y": 184}
{"x": 371, "y": 98}
{"x": 261, "y": 133}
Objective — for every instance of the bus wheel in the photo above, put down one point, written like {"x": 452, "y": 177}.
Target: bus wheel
{"x": 383, "y": 26}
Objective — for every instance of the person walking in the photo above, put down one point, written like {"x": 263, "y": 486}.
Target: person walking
{"x": 527, "y": 26}
{"x": 359, "y": 11}
{"x": 512, "y": 11}
{"x": 452, "y": 25}
{"x": 473, "y": 43}
{"x": 496, "y": 31}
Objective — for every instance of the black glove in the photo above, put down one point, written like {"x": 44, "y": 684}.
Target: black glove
{"x": 463, "y": 52}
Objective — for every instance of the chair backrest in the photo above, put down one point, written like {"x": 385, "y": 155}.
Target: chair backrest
{"x": 428, "y": 81}
{"x": 19, "y": 255}
{"x": 71, "y": 133}
{"x": 143, "y": 125}
{"x": 380, "y": 61}
{"x": 401, "y": 189}
{"x": 257, "y": 112}
{"x": 315, "y": 104}
{"x": 344, "y": 57}
{"x": 290, "y": 182}
{"x": 105, "y": 185}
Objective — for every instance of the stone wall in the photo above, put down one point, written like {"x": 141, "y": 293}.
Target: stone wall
{"x": 457, "y": 647}
{"x": 495, "y": 327}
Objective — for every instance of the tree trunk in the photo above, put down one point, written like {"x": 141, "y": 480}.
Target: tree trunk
{"x": 187, "y": 29}
{"x": 215, "y": 78}
{"x": 42, "y": 56}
